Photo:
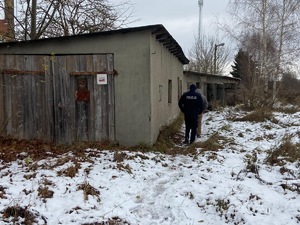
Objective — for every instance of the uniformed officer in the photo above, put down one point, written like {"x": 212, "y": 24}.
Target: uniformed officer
{"x": 191, "y": 104}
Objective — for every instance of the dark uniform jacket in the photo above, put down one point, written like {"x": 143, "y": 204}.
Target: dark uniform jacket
{"x": 191, "y": 103}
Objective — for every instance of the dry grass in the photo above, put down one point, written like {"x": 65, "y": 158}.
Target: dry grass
{"x": 212, "y": 143}
{"x": 169, "y": 136}
{"x": 2, "y": 192}
{"x": 259, "y": 115}
{"x": 112, "y": 221}
{"x": 89, "y": 190}
{"x": 14, "y": 213}
{"x": 45, "y": 192}
{"x": 286, "y": 151}
{"x": 71, "y": 171}
{"x": 125, "y": 168}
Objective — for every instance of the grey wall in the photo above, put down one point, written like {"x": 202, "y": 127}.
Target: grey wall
{"x": 135, "y": 121}
{"x": 164, "y": 68}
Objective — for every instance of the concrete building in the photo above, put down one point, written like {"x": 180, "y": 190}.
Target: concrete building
{"x": 137, "y": 73}
{"x": 217, "y": 89}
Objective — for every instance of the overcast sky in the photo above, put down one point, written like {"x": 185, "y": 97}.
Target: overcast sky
{"x": 179, "y": 17}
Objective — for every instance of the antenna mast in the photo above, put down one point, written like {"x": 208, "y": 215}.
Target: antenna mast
{"x": 200, "y": 3}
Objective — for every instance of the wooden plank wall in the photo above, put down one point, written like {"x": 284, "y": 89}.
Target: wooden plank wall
{"x": 2, "y": 105}
{"x": 38, "y": 100}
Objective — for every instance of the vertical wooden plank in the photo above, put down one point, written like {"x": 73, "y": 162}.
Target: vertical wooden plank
{"x": 27, "y": 101}
{"x": 91, "y": 104}
{"x": 2, "y": 97}
{"x": 60, "y": 100}
{"x": 100, "y": 102}
{"x": 111, "y": 98}
{"x": 81, "y": 109}
{"x": 18, "y": 98}
{"x": 49, "y": 99}
{"x": 16, "y": 93}
{"x": 68, "y": 100}
{"x": 8, "y": 96}
{"x": 43, "y": 106}
{"x": 71, "y": 94}
{"x": 38, "y": 96}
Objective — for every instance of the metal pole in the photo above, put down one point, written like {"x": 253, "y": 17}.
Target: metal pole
{"x": 215, "y": 56}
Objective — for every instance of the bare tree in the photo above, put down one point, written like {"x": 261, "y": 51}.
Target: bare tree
{"x": 36, "y": 19}
{"x": 208, "y": 56}
{"x": 277, "y": 26}
{"x": 9, "y": 19}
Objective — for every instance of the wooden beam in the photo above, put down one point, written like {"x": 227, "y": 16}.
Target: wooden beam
{"x": 114, "y": 72}
{"x": 21, "y": 72}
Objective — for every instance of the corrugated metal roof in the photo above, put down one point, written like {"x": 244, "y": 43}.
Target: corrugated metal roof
{"x": 158, "y": 30}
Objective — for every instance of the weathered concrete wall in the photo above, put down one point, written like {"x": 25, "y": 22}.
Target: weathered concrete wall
{"x": 139, "y": 84}
{"x": 131, "y": 60}
{"x": 166, "y": 74}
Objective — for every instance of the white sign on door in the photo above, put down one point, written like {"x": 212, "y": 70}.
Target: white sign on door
{"x": 101, "y": 79}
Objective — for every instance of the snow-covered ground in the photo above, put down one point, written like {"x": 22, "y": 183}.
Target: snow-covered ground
{"x": 233, "y": 185}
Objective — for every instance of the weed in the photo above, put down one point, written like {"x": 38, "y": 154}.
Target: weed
{"x": 226, "y": 127}
{"x": 112, "y": 221}
{"x": 288, "y": 110}
{"x": 285, "y": 151}
{"x": 28, "y": 160}
{"x": 291, "y": 187}
{"x": 71, "y": 171}
{"x": 89, "y": 190}
{"x": 126, "y": 168}
{"x": 29, "y": 176}
{"x": 44, "y": 192}
{"x": 119, "y": 156}
{"x": 259, "y": 115}
{"x": 190, "y": 195}
{"x": 2, "y": 192}
{"x": 222, "y": 205}
{"x": 212, "y": 143}
{"x": 169, "y": 136}
{"x": 21, "y": 215}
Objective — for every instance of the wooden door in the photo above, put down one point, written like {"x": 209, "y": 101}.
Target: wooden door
{"x": 39, "y": 97}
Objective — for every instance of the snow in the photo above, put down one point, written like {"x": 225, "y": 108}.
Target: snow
{"x": 210, "y": 188}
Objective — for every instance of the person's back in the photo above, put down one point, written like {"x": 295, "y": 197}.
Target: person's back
{"x": 191, "y": 104}
{"x": 204, "y": 99}
{"x": 205, "y": 105}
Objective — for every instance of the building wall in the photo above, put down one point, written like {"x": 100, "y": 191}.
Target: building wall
{"x": 165, "y": 70}
{"x": 131, "y": 60}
